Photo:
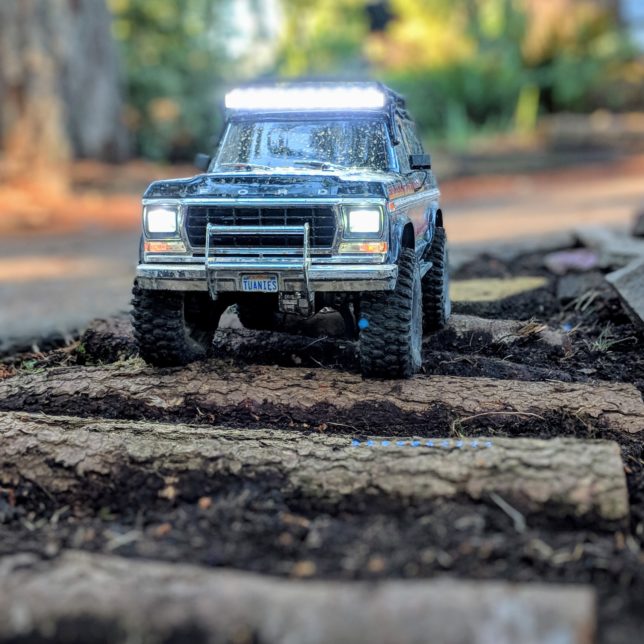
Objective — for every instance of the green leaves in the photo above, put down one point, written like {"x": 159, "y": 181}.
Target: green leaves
{"x": 466, "y": 66}
{"x": 173, "y": 60}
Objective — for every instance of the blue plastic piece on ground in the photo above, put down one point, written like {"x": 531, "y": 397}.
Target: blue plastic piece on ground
{"x": 363, "y": 323}
{"x": 474, "y": 444}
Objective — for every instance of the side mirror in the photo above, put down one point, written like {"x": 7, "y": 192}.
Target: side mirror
{"x": 202, "y": 161}
{"x": 420, "y": 161}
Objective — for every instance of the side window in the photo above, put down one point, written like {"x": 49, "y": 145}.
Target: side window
{"x": 413, "y": 142}
{"x": 402, "y": 149}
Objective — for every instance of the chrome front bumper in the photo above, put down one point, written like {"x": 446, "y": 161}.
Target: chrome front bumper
{"x": 227, "y": 276}
{"x": 225, "y": 266}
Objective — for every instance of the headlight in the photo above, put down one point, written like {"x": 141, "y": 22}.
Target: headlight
{"x": 161, "y": 220}
{"x": 364, "y": 220}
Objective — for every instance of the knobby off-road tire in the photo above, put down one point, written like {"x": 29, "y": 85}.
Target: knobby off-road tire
{"x": 437, "y": 306}
{"x": 391, "y": 342}
{"x": 173, "y": 328}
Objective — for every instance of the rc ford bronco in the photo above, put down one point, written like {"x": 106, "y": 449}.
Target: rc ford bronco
{"x": 317, "y": 196}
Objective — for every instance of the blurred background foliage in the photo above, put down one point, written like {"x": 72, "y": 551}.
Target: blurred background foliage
{"x": 467, "y": 67}
{"x": 172, "y": 56}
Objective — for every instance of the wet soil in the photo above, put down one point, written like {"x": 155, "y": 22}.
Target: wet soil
{"x": 252, "y": 524}
{"x": 604, "y": 342}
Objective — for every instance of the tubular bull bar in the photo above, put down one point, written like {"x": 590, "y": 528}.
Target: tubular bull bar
{"x": 226, "y": 258}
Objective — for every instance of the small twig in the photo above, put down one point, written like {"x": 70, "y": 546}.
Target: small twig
{"x": 517, "y": 518}
{"x": 355, "y": 429}
{"x": 57, "y": 514}
{"x": 123, "y": 540}
{"x": 467, "y": 359}
{"x": 324, "y": 337}
{"x": 500, "y": 413}
{"x": 531, "y": 328}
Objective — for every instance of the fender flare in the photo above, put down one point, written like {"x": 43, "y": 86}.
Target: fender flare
{"x": 402, "y": 236}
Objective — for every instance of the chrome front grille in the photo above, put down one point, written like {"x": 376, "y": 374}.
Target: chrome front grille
{"x": 321, "y": 220}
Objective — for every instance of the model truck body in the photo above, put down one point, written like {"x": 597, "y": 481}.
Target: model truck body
{"x": 317, "y": 196}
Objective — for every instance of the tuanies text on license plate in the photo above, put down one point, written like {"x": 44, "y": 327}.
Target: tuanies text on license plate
{"x": 259, "y": 283}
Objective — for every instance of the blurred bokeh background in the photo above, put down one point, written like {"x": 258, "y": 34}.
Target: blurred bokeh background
{"x": 533, "y": 110}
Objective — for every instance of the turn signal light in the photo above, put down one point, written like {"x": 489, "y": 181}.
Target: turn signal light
{"x": 164, "y": 247}
{"x": 364, "y": 247}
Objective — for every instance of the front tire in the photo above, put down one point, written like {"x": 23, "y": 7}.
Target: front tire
{"x": 173, "y": 328}
{"x": 437, "y": 306}
{"x": 391, "y": 325}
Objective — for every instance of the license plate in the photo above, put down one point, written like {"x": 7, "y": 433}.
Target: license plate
{"x": 259, "y": 283}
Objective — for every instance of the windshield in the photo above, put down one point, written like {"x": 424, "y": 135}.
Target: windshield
{"x": 328, "y": 144}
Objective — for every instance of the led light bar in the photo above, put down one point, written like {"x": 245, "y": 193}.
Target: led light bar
{"x": 305, "y": 98}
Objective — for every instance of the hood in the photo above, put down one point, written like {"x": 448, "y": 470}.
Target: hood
{"x": 296, "y": 185}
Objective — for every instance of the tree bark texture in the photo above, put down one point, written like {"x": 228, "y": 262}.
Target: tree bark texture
{"x": 147, "y": 601}
{"x": 563, "y": 477}
{"x": 59, "y": 84}
{"x": 260, "y": 393}
{"x": 475, "y": 330}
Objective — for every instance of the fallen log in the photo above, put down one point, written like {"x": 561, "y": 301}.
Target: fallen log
{"x": 280, "y": 396}
{"x": 110, "y": 339}
{"x": 561, "y": 477}
{"x": 469, "y": 334}
{"x": 468, "y": 327}
{"x": 148, "y": 601}
{"x": 629, "y": 284}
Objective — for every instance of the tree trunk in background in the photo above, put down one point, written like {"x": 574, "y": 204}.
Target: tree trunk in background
{"x": 59, "y": 87}
{"x": 91, "y": 83}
